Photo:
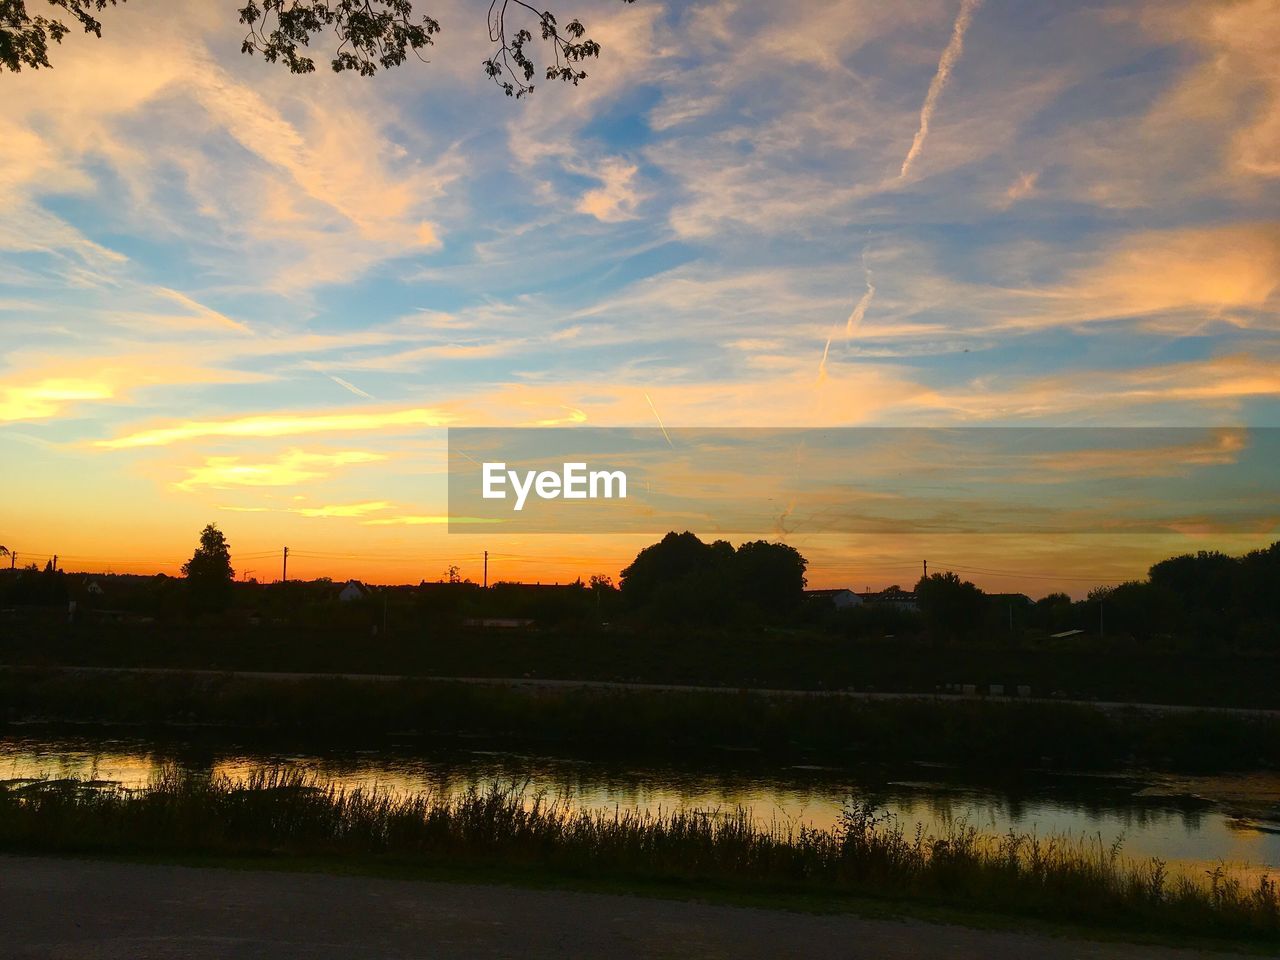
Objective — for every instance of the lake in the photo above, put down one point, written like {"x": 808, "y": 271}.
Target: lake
{"x": 1194, "y": 823}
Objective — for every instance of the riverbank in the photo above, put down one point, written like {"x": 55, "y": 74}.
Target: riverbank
{"x": 637, "y": 722}
{"x": 271, "y": 814}
{"x": 1079, "y": 668}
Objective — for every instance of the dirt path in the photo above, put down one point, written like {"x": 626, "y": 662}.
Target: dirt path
{"x": 92, "y": 910}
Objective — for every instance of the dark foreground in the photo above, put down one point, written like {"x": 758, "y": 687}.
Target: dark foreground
{"x": 61, "y": 908}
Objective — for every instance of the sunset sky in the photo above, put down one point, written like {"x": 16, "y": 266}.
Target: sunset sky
{"x": 231, "y": 294}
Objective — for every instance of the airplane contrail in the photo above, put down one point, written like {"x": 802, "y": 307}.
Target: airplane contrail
{"x": 348, "y": 385}
{"x": 659, "y": 419}
{"x": 822, "y": 364}
{"x": 860, "y": 308}
{"x": 945, "y": 64}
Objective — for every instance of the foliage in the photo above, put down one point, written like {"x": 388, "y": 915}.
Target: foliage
{"x": 952, "y": 607}
{"x": 370, "y": 34}
{"x": 24, "y": 39}
{"x": 208, "y": 572}
{"x": 683, "y": 580}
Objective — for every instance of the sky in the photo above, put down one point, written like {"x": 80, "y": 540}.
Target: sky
{"x": 232, "y": 294}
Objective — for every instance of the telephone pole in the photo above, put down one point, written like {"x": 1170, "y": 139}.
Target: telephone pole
{"x": 926, "y": 568}
{"x": 486, "y": 570}
{"x": 284, "y": 570}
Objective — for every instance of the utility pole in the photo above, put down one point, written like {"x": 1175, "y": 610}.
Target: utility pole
{"x": 926, "y": 568}
{"x": 13, "y": 558}
{"x": 284, "y": 570}
{"x": 486, "y": 570}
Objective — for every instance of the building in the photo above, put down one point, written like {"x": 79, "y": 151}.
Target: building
{"x": 894, "y": 597}
{"x": 353, "y": 591}
{"x": 841, "y": 598}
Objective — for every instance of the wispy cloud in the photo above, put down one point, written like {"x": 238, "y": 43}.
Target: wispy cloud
{"x": 344, "y": 510}
{"x": 288, "y": 469}
{"x": 279, "y": 425}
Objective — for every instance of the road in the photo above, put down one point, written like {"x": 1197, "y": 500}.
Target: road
{"x": 93, "y": 910}
{"x": 549, "y": 683}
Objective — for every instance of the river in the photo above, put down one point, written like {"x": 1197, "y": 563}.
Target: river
{"x": 1193, "y": 823}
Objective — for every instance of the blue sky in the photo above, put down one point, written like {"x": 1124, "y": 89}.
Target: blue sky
{"x": 230, "y": 293}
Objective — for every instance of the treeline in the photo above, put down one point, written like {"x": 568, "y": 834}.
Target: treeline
{"x": 1203, "y": 602}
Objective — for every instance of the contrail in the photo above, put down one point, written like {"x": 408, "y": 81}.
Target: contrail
{"x": 945, "y": 64}
{"x": 347, "y": 385}
{"x": 860, "y": 309}
{"x": 659, "y": 419}
{"x": 822, "y": 364}
{"x": 855, "y": 318}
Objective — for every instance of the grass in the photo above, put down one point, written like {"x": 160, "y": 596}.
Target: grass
{"x": 284, "y": 815}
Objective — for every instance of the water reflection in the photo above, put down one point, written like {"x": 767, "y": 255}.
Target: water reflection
{"x": 1153, "y": 815}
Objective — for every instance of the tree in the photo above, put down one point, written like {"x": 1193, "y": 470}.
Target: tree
{"x": 952, "y": 607}
{"x": 681, "y": 579}
{"x": 770, "y": 576}
{"x": 208, "y": 572}
{"x": 370, "y": 34}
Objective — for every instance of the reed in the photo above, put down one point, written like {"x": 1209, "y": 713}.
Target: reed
{"x": 283, "y": 813}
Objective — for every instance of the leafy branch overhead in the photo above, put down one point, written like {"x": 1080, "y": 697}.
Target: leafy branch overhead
{"x": 368, "y": 34}
{"x": 569, "y": 46}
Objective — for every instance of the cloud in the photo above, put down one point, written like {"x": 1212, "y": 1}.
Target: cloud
{"x": 1201, "y": 390}
{"x": 617, "y": 199}
{"x": 279, "y": 425}
{"x": 204, "y": 313}
{"x": 434, "y": 520}
{"x": 288, "y": 469}
{"x": 946, "y": 63}
{"x": 344, "y": 509}
{"x": 1172, "y": 279}
{"x": 42, "y": 390}
{"x": 48, "y": 398}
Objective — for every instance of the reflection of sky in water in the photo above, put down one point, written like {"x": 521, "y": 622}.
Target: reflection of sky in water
{"x": 1083, "y": 808}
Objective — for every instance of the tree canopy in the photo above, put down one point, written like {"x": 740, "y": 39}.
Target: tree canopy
{"x": 683, "y": 580}
{"x": 370, "y": 34}
{"x": 208, "y": 572}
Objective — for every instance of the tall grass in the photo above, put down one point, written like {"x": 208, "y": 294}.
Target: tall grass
{"x": 278, "y": 812}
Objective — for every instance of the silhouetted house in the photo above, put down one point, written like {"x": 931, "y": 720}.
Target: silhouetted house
{"x": 897, "y": 599}
{"x": 353, "y": 591}
{"x": 841, "y": 598}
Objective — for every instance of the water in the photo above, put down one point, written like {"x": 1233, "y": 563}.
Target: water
{"x": 1194, "y": 824}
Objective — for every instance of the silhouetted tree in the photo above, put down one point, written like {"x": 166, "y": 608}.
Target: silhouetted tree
{"x": 770, "y": 576}
{"x": 951, "y": 607}
{"x": 683, "y": 580}
{"x": 369, "y": 34}
{"x": 679, "y": 579}
{"x": 208, "y": 572}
